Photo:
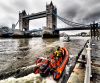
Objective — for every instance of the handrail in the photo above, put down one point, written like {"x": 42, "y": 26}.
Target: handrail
{"x": 88, "y": 65}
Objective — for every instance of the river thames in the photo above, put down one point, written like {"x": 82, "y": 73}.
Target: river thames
{"x": 17, "y": 53}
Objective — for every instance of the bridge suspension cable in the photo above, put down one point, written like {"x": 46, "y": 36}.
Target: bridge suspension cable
{"x": 70, "y": 23}
{"x": 16, "y": 23}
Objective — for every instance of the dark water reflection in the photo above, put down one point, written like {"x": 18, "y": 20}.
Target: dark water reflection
{"x": 16, "y": 53}
{"x": 23, "y": 42}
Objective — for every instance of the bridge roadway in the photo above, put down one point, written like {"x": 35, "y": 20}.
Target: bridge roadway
{"x": 35, "y": 15}
{"x": 64, "y": 29}
{"x": 74, "y": 28}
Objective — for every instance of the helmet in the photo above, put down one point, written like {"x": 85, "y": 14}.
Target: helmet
{"x": 58, "y": 48}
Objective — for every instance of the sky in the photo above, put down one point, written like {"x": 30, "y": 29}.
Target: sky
{"x": 81, "y": 11}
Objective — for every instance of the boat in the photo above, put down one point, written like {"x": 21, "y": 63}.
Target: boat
{"x": 66, "y": 38}
{"x": 51, "y": 65}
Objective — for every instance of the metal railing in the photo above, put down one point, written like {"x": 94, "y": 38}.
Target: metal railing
{"x": 88, "y": 65}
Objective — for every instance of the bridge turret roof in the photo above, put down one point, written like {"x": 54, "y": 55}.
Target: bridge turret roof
{"x": 51, "y": 3}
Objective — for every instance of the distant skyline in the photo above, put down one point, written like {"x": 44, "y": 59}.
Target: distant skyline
{"x": 82, "y": 11}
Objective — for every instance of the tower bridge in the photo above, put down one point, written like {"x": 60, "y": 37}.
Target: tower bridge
{"x": 51, "y": 30}
{"x": 51, "y": 20}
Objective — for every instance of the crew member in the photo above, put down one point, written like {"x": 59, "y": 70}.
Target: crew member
{"x": 58, "y": 53}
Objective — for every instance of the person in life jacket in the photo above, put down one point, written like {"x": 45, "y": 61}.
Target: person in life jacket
{"x": 58, "y": 53}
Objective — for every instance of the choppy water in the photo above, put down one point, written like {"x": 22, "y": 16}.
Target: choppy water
{"x": 17, "y": 53}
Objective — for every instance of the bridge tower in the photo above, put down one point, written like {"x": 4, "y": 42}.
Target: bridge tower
{"x": 49, "y": 30}
{"x": 23, "y": 22}
{"x": 51, "y": 12}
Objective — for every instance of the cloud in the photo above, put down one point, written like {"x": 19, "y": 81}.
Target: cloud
{"x": 92, "y": 2}
{"x": 80, "y": 11}
{"x": 76, "y": 10}
{"x": 71, "y": 11}
{"x": 6, "y": 7}
{"x": 89, "y": 11}
{"x": 92, "y": 15}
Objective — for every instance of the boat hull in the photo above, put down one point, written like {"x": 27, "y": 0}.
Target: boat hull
{"x": 51, "y": 66}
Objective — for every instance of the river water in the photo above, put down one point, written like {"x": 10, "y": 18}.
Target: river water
{"x": 17, "y": 53}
